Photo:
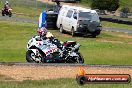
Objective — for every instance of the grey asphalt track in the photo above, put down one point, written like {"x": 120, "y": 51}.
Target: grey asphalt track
{"x": 63, "y": 65}
{"x": 118, "y": 30}
{"x": 14, "y": 18}
{"x": 18, "y": 19}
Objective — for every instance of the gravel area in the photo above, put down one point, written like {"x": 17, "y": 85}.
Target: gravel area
{"x": 20, "y": 73}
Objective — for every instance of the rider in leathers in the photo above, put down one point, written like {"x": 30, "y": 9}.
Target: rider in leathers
{"x": 6, "y": 6}
{"x": 44, "y": 35}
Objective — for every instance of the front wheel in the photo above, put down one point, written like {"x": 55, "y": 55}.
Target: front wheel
{"x": 10, "y": 14}
{"x": 31, "y": 57}
{"x": 93, "y": 36}
{"x": 3, "y": 13}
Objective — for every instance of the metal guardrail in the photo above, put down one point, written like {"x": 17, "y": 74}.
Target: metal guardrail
{"x": 116, "y": 20}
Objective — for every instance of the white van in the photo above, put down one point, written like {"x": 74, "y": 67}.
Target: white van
{"x": 78, "y": 20}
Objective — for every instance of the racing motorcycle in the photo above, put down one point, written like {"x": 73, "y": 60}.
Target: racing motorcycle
{"x": 46, "y": 51}
{"x": 7, "y": 12}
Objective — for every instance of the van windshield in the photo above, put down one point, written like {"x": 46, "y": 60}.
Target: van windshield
{"x": 88, "y": 16}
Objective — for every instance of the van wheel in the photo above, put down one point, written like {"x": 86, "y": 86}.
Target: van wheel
{"x": 61, "y": 29}
{"x": 93, "y": 36}
{"x": 72, "y": 32}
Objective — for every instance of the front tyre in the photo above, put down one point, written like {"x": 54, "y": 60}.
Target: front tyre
{"x": 29, "y": 56}
{"x": 93, "y": 36}
{"x": 10, "y": 14}
{"x": 3, "y": 13}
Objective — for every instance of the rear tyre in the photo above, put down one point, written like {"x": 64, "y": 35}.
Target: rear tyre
{"x": 72, "y": 32}
{"x": 61, "y": 29}
{"x": 80, "y": 59}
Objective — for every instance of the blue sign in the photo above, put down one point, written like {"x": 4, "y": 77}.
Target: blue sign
{"x": 42, "y": 20}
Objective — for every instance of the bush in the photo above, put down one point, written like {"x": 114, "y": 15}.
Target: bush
{"x": 125, "y": 10}
{"x": 110, "y": 5}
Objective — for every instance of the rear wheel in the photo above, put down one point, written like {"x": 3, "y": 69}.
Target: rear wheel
{"x": 80, "y": 58}
{"x": 61, "y": 29}
{"x": 76, "y": 59}
{"x": 72, "y": 32}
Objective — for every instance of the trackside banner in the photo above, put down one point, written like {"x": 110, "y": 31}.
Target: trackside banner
{"x": 103, "y": 78}
{"x": 83, "y": 78}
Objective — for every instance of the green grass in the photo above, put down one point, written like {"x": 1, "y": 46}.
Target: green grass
{"x": 86, "y": 2}
{"x": 97, "y": 52}
{"x": 127, "y": 3}
{"x": 115, "y": 25}
{"x": 13, "y": 39}
{"x": 58, "y": 83}
{"x": 115, "y": 50}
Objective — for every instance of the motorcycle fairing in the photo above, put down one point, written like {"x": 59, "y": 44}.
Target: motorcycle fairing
{"x": 48, "y": 51}
{"x": 73, "y": 54}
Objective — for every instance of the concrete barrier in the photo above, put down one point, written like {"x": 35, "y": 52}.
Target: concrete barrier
{"x": 116, "y": 20}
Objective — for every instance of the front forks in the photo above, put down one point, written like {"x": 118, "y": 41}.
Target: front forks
{"x": 38, "y": 57}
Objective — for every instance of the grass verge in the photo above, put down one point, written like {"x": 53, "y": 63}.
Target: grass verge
{"x": 58, "y": 83}
{"x": 107, "y": 48}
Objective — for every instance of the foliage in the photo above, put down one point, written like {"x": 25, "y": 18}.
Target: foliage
{"x": 110, "y": 5}
{"x": 125, "y": 10}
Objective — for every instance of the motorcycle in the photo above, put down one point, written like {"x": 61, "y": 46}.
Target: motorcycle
{"x": 46, "y": 51}
{"x": 7, "y": 12}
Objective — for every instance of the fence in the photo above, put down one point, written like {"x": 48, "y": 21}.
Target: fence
{"x": 27, "y": 3}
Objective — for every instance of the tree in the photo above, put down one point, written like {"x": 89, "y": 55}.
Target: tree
{"x": 110, "y": 5}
